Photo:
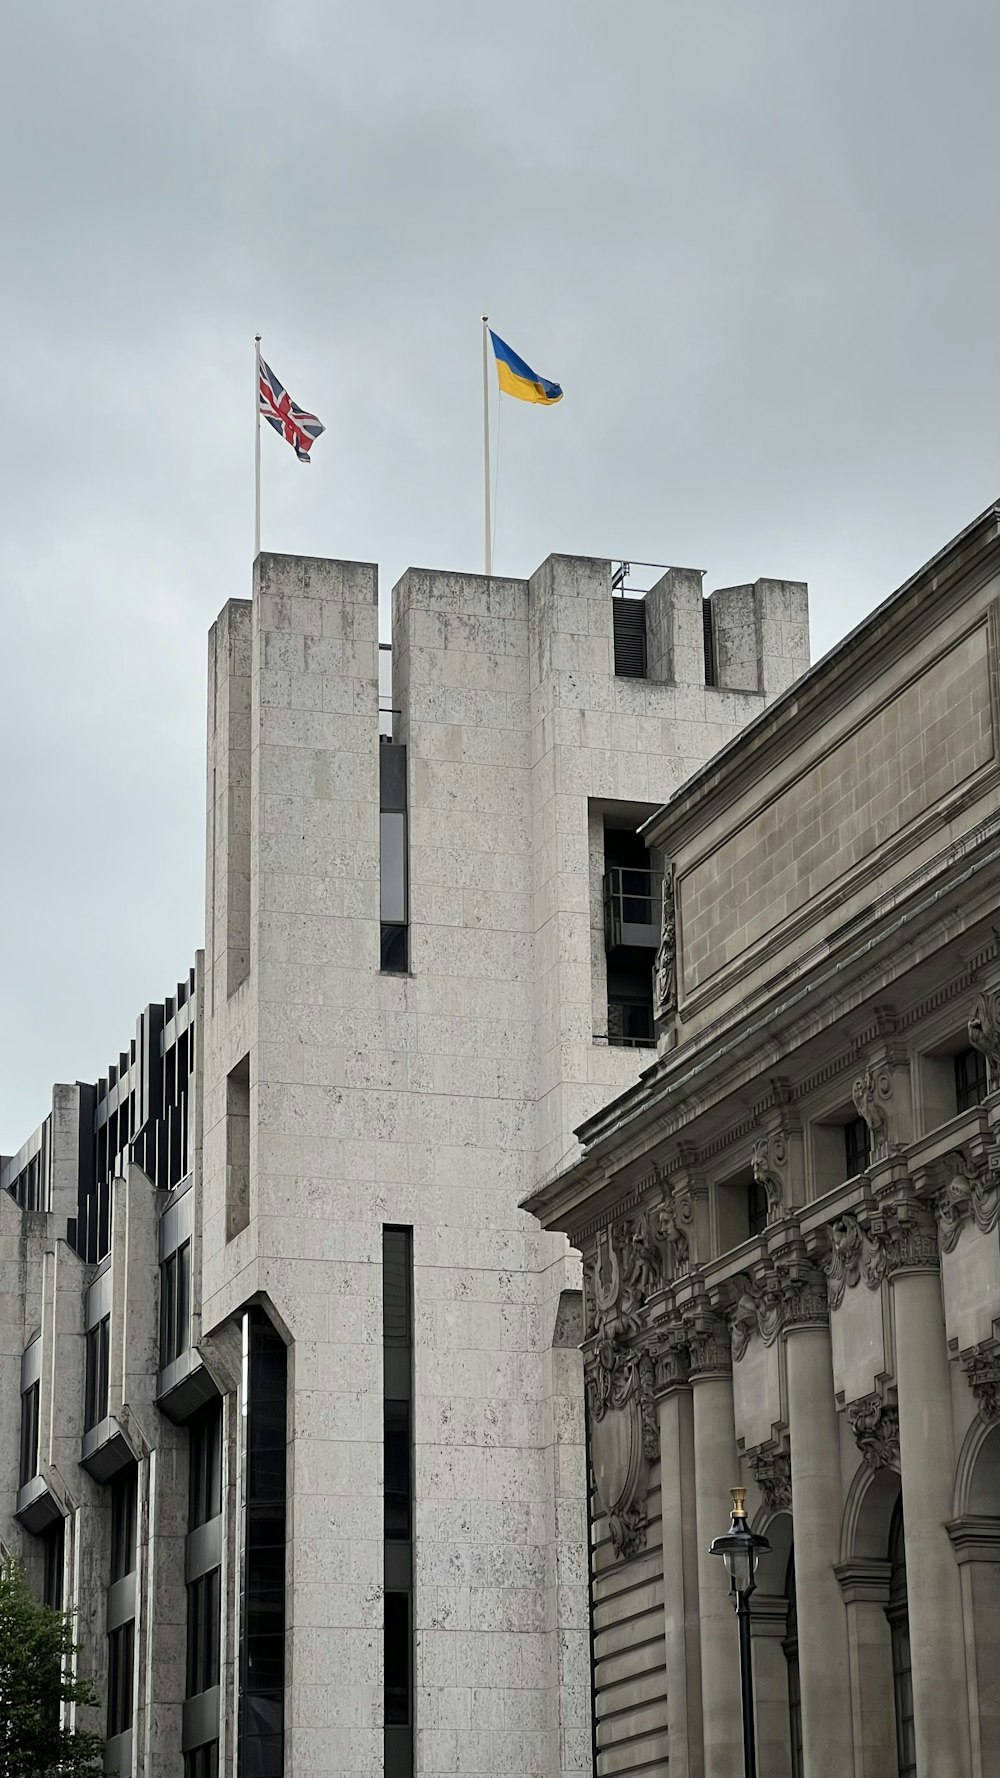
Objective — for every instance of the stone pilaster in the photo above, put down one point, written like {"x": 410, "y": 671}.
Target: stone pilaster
{"x": 717, "y": 1469}
{"x": 817, "y": 1495}
{"x": 927, "y": 1464}
{"x": 679, "y": 1532}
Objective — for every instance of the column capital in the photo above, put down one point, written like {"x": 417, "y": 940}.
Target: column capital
{"x": 709, "y": 1345}
{"x": 908, "y": 1229}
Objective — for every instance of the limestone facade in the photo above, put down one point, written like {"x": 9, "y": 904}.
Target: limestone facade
{"x": 332, "y": 1470}
{"x": 790, "y": 1229}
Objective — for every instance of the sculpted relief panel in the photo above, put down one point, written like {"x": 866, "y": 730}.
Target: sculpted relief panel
{"x": 830, "y": 819}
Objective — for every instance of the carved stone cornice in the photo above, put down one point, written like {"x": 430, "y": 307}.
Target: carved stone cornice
{"x": 665, "y": 967}
{"x": 971, "y": 1193}
{"x": 875, "y": 1425}
{"x": 982, "y": 1369}
{"x": 772, "y": 1472}
{"x": 984, "y": 1031}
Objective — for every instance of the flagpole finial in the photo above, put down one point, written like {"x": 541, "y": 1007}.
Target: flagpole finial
{"x": 257, "y": 338}
{"x": 484, "y": 319}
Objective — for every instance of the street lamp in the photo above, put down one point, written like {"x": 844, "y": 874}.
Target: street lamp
{"x": 741, "y": 1549}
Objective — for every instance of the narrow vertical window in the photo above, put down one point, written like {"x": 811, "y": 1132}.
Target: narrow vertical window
{"x": 202, "y": 1557}
{"x": 397, "y": 1422}
{"x": 96, "y": 1394}
{"x": 175, "y": 1299}
{"x": 262, "y": 1614}
{"x": 394, "y": 911}
{"x": 29, "y": 1434}
{"x": 121, "y": 1601}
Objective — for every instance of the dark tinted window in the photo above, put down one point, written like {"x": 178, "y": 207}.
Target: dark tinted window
{"x": 121, "y": 1644}
{"x": 205, "y": 1466}
{"x": 96, "y": 1394}
{"x": 971, "y": 1082}
{"x": 203, "y": 1633}
{"x": 123, "y": 1510}
{"x": 29, "y": 1434}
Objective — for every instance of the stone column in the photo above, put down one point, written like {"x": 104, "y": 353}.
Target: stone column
{"x": 814, "y": 1436}
{"x": 717, "y": 1469}
{"x": 680, "y": 1565}
{"x": 927, "y": 1465}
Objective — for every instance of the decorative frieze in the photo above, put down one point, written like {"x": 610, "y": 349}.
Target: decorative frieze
{"x": 982, "y": 1369}
{"x": 875, "y": 1425}
{"x": 972, "y": 1193}
{"x": 901, "y": 1238}
{"x": 665, "y": 968}
{"x": 626, "y": 1269}
{"x": 772, "y": 1472}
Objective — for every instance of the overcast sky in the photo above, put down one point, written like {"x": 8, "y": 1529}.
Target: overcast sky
{"x": 757, "y": 244}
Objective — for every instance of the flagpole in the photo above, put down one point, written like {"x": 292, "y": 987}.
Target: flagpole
{"x": 256, "y": 454}
{"x": 487, "y": 528}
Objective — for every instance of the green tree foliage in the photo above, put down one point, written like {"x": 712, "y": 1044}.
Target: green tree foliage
{"x": 36, "y": 1652}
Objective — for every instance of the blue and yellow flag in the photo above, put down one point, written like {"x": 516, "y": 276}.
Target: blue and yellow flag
{"x": 517, "y": 378}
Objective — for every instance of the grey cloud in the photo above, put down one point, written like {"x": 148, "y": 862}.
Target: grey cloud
{"x": 755, "y": 244}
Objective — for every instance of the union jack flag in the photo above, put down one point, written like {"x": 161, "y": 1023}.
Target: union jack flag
{"x": 301, "y": 430}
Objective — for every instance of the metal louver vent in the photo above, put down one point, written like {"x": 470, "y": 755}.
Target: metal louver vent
{"x": 629, "y": 617}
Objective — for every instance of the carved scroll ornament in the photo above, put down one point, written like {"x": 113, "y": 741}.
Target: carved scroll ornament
{"x": 972, "y": 1193}
{"x": 624, "y": 1439}
{"x": 769, "y": 1161}
{"x": 875, "y": 1426}
{"x": 665, "y": 967}
{"x": 873, "y": 1099}
{"x": 984, "y": 1031}
{"x": 853, "y": 1256}
{"x": 773, "y": 1474}
{"x": 982, "y": 1369}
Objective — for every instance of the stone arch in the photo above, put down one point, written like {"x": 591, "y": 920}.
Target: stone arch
{"x": 977, "y": 1473}
{"x": 772, "y": 1568}
{"x": 871, "y": 1501}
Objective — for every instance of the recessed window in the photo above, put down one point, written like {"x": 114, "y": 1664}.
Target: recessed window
{"x": 29, "y": 1434}
{"x": 175, "y": 1304}
{"x": 205, "y": 1466}
{"x": 124, "y": 1493}
{"x": 96, "y": 1390}
{"x": 394, "y": 914}
{"x": 202, "y": 1762}
{"x": 121, "y": 1650}
{"x": 397, "y": 1658}
{"x": 203, "y": 1632}
{"x": 855, "y": 1147}
{"x": 756, "y": 1208}
{"x": 54, "y": 1551}
{"x": 971, "y": 1081}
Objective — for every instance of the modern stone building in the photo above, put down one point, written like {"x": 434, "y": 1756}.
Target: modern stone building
{"x": 790, "y": 1233}
{"x": 290, "y": 1389}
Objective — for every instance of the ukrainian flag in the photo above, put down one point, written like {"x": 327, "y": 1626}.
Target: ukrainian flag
{"x": 517, "y": 378}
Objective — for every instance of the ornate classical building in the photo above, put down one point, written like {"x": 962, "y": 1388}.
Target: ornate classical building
{"x": 789, "y": 1228}
{"x": 291, "y": 1403}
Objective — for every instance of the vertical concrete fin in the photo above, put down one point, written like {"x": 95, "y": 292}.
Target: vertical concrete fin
{"x": 227, "y": 917}
{"x": 675, "y": 636}
{"x": 761, "y": 635}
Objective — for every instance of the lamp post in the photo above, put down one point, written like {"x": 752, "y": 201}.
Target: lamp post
{"x": 741, "y": 1549}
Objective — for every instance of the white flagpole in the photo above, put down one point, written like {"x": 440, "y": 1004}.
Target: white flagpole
{"x": 487, "y": 528}
{"x": 256, "y": 456}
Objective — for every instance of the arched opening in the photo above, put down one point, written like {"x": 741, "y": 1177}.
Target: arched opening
{"x": 899, "y": 1632}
